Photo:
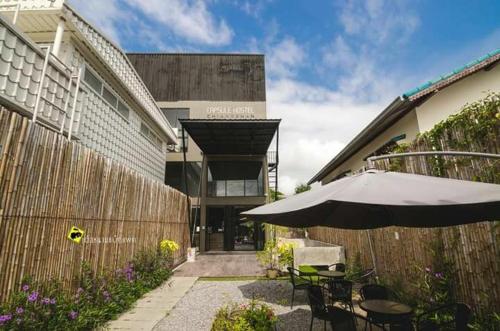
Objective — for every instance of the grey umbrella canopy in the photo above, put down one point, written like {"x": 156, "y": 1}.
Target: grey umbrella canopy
{"x": 375, "y": 199}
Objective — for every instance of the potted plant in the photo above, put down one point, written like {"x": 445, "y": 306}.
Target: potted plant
{"x": 269, "y": 259}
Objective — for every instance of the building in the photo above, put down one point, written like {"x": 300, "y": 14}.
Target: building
{"x": 416, "y": 111}
{"x": 216, "y": 103}
{"x": 63, "y": 73}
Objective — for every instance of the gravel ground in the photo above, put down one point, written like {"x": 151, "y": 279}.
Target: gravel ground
{"x": 196, "y": 310}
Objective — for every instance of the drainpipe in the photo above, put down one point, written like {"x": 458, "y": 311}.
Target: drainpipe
{"x": 58, "y": 38}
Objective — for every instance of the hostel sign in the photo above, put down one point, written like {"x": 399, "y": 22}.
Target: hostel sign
{"x": 230, "y": 112}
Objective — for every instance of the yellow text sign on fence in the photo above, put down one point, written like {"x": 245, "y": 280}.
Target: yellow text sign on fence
{"x": 75, "y": 234}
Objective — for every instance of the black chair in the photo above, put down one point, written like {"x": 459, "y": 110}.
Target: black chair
{"x": 374, "y": 292}
{"x": 319, "y": 309}
{"x": 366, "y": 276}
{"x": 341, "y": 291}
{"x": 461, "y": 317}
{"x": 337, "y": 267}
{"x": 298, "y": 282}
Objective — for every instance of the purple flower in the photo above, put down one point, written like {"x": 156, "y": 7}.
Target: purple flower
{"x": 106, "y": 295}
{"x": 33, "y": 296}
{"x": 25, "y": 287}
{"x": 80, "y": 290}
{"x": 5, "y": 318}
{"x": 428, "y": 269}
{"x": 52, "y": 301}
{"x": 19, "y": 310}
{"x": 439, "y": 275}
{"x": 45, "y": 301}
{"x": 73, "y": 315}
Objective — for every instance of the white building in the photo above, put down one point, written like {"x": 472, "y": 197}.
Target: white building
{"x": 416, "y": 111}
{"x": 61, "y": 71}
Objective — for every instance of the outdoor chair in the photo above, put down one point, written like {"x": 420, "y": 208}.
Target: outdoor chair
{"x": 374, "y": 292}
{"x": 366, "y": 276}
{"x": 319, "y": 309}
{"x": 343, "y": 320}
{"x": 298, "y": 282}
{"x": 337, "y": 267}
{"x": 461, "y": 317}
{"x": 341, "y": 291}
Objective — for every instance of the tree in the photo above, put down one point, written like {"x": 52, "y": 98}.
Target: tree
{"x": 302, "y": 188}
{"x": 275, "y": 195}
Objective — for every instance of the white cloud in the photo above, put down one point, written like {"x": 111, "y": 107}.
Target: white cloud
{"x": 189, "y": 19}
{"x": 379, "y": 20}
{"x": 284, "y": 58}
{"x": 102, "y": 14}
{"x": 316, "y": 124}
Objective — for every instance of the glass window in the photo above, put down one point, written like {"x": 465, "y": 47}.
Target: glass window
{"x": 146, "y": 131}
{"x": 93, "y": 81}
{"x": 235, "y": 178}
{"x": 123, "y": 110}
{"x": 109, "y": 97}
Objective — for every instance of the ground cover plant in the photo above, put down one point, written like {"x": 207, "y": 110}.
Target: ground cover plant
{"x": 253, "y": 316}
{"x": 96, "y": 300}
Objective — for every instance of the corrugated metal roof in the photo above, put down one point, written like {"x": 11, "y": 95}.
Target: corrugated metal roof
{"x": 483, "y": 60}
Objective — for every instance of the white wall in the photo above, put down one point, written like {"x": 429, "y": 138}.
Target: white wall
{"x": 453, "y": 98}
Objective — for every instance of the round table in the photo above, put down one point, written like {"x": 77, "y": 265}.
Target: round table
{"x": 331, "y": 274}
{"x": 387, "y": 311}
{"x": 385, "y": 307}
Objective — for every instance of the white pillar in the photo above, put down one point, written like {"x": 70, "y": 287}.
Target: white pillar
{"x": 58, "y": 38}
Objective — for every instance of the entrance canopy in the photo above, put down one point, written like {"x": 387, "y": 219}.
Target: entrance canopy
{"x": 231, "y": 137}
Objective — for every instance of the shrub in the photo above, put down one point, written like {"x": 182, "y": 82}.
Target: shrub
{"x": 98, "y": 298}
{"x": 245, "y": 317}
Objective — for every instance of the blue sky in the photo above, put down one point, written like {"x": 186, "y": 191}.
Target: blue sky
{"x": 331, "y": 65}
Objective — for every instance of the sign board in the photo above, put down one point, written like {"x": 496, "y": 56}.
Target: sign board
{"x": 230, "y": 112}
{"x": 75, "y": 234}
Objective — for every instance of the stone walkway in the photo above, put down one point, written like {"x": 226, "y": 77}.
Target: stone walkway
{"x": 222, "y": 264}
{"x": 154, "y": 306}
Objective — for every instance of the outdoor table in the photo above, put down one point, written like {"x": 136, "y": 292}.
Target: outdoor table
{"x": 331, "y": 274}
{"x": 308, "y": 270}
{"x": 387, "y": 310}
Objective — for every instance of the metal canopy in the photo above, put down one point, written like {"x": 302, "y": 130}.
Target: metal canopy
{"x": 231, "y": 137}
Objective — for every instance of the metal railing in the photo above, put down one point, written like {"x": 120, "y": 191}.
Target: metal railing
{"x": 49, "y": 86}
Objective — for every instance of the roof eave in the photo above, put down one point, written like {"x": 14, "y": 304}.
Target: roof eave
{"x": 356, "y": 144}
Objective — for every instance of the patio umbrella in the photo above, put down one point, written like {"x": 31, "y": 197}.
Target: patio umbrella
{"x": 375, "y": 199}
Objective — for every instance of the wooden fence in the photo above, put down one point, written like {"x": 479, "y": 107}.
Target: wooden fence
{"x": 473, "y": 248}
{"x": 48, "y": 185}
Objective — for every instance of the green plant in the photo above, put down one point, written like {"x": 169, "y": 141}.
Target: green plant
{"x": 354, "y": 268}
{"x": 253, "y": 316}
{"x": 285, "y": 254}
{"x": 268, "y": 257}
{"x": 97, "y": 299}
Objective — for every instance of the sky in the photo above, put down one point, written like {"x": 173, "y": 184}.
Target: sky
{"x": 331, "y": 65}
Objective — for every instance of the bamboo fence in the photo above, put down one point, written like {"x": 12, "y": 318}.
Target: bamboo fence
{"x": 474, "y": 248}
{"x": 48, "y": 185}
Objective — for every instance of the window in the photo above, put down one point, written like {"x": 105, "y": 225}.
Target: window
{"x": 93, "y": 81}
{"x": 153, "y": 137}
{"x": 122, "y": 109}
{"x": 173, "y": 116}
{"x": 109, "y": 97}
{"x": 106, "y": 93}
{"x": 235, "y": 179}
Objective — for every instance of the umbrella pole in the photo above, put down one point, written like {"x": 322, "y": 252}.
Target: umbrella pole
{"x": 374, "y": 262}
